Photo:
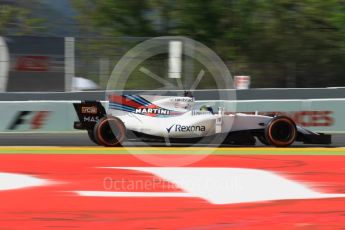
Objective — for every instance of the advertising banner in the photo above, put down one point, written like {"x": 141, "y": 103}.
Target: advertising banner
{"x": 320, "y": 115}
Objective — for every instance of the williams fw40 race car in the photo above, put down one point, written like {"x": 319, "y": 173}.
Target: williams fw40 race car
{"x": 174, "y": 120}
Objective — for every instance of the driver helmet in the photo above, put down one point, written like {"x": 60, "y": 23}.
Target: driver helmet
{"x": 206, "y": 108}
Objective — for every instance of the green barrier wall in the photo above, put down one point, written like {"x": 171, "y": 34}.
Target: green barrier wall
{"x": 56, "y": 116}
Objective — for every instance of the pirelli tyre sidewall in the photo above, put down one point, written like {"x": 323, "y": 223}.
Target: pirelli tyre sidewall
{"x": 109, "y": 131}
{"x": 281, "y": 131}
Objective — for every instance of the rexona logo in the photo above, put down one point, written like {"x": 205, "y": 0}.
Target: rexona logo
{"x": 186, "y": 128}
{"x": 152, "y": 111}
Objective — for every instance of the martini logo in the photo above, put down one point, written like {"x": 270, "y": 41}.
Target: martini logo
{"x": 152, "y": 111}
{"x": 187, "y": 128}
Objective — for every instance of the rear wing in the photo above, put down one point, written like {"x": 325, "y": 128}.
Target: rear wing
{"x": 89, "y": 113}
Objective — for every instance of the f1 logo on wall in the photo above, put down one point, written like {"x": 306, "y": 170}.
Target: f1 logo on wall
{"x": 34, "y": 119}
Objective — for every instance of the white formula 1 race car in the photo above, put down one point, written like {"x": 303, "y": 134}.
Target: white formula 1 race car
{"x": 174, "y": 120}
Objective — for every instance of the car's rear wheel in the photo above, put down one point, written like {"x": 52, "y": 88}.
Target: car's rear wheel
{"x": 109, "y": 131}
{"x": 281, "y": 131}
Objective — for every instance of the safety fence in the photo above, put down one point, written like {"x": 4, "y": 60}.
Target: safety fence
{"x": 325, "y": 115}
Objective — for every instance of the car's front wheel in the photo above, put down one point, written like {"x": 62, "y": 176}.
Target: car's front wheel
{"x": 109, "y": 131}
{"x": 281, "y": 131}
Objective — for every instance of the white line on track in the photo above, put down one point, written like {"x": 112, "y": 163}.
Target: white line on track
{"x": 221, "y": 185}
{"x": 10, "y": 181}
{"x": 133, "y": 194}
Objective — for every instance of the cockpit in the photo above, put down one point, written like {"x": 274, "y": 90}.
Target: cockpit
{"x": 207, "y": 108}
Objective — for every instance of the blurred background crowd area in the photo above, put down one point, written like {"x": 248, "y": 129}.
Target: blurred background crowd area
{"x": 280, "y": 44}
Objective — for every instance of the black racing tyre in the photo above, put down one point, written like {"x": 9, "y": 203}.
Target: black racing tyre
{"x": 92, "y": 136}
{"x": 263, "y": 139}
{"x": 109, "y": 131}
{"x": 281, "y": 131}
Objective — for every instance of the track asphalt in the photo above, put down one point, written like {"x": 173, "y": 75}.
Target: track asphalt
{"x": 88, "y": 190}
{"x": 64, "y": 181}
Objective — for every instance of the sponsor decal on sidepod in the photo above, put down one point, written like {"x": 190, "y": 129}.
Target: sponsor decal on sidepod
{"x": 186, "y": 128}
{"x": 91, "y": 119}
{"x": 89, "y": 109}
